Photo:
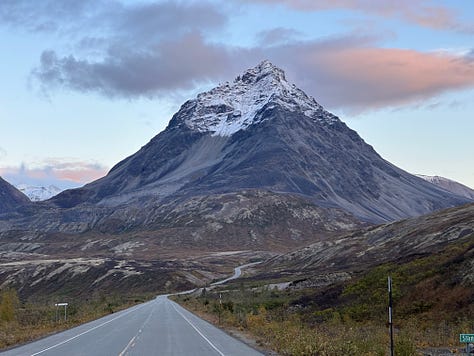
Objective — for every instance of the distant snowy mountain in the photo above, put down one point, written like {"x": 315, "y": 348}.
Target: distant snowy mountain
{"x": 38, "y": 193}
{"x": 450, "y": 185}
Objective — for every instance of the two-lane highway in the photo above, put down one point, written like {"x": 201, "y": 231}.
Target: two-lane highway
{"x": 158, "y": 327}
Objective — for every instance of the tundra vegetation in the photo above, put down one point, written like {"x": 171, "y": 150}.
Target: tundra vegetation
{"x": 23, "y": 321}
{"x": 433, "y": 304}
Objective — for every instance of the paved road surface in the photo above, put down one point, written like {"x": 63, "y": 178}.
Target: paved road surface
{"x": 158, "y": 327}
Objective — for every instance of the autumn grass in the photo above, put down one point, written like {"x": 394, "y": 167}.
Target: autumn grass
{"x": 22, "y": 322}
{"x": 277, "y": 326}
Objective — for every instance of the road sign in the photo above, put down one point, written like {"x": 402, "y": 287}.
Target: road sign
{"x": 57, "y": 305}
{"x": 466, "y": 338}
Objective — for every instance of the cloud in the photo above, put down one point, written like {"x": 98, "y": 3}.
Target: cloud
{"x": 46, "y": 15}
{"x": 139, "y": 22}
{"x": 122, "y": 50}
{"x": 171, "y": 65}
{"x": 470, "y": 55}
{"x": 277, "y": 36}
{"x": 358, "y": 78}
{"x": 348, "y": 72}
{"x": 60, "y": 172}
{"x": 114, "y": 25}
{"x": 422, "y": 12}
{"x": 152, "y": 21}
{"x": 3, "y": 153}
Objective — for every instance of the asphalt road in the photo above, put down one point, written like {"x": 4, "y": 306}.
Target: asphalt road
{"x": 158, "y": 327}
{"x": 237, "y": 273}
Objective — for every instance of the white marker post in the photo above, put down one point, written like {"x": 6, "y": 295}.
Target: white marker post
{"x": 65, "y": 309}
{"x": 220, "y": 307}
{"x": 390, "y": 321}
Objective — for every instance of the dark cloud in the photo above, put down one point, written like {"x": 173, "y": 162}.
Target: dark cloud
{"x": 142, "y": 22}
{"x": 125, "y": 72}
{"x": 123, "y": 50}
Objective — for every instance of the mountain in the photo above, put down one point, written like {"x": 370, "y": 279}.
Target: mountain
{"x": 450, "y": 185}
{"x": 403, "y": 240}
{"x": 261, "y": 132}
{"x": 11, "y": 198}
{"x": 36, "y": 193}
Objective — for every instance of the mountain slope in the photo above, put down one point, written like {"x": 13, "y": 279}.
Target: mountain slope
{"x": 10, "y": 197}
{"x": 401, "y": 240}
{"x": 260, "y": 132}
{"x": 450, "y": 185}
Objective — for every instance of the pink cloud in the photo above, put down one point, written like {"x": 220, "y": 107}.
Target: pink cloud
{"x": 421, "y": 12}
{"x": 81, "y": 175}
{"x": 358, "y": 78}
{"x": 54, "y": 172}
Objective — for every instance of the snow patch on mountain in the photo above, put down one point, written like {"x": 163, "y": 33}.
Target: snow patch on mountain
{"x": 38, "y": 193}
{"x": 231, "y": 107}
{"x": 449, "y": 185}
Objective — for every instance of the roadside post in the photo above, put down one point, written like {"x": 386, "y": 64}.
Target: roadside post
{"x": 220, "y": 307}
{"x": 390, "y": 320}
{"x": 467, "y": 339}
{"x": 65, "y": 310}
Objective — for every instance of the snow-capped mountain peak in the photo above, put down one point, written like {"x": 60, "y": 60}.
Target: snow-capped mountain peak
{"x": 231, "y": 107}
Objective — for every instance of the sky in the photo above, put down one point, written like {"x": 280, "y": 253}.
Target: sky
{"x": 85, "y": 84}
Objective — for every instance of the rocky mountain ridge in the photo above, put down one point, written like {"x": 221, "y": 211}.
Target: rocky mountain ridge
{"x": 254, "y": 220}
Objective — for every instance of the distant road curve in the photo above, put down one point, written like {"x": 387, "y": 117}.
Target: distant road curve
{"x": 237, "y": 273}
{"x": 157, "y": 327}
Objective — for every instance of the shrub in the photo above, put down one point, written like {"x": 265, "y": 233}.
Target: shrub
{"x": 9, "y": 305}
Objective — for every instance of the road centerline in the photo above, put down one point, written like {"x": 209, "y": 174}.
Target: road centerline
{"x": 130, "y": 343}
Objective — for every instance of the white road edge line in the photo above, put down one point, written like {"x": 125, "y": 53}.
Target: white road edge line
{"x": 85, "y": 332}
{"x": 198, "y": 331}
